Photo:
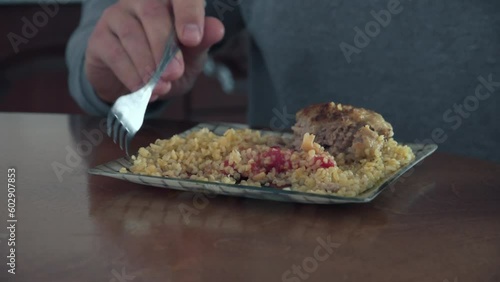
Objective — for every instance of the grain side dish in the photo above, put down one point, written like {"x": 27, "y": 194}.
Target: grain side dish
{"x": 336, "y": 149}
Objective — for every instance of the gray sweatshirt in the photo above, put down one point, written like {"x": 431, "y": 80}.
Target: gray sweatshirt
{"x": 430, "y": 67}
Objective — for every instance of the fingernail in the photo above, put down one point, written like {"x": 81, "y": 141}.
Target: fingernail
{"x": 191, "y": 33}
{"x": 168, "y": 87}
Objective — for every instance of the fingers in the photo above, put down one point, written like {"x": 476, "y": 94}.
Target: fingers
{"x": 161, "y": 89}
{"x": 213, "y": 33}
{"x": 189, "y": 21}
{"x": 108, "y": 49}
{"x": 173, "y": 72}
{"x": 133, "y": 39}
{"x": 194, "y": 30}
{"x": 194, "y": 58}
{"x": 156, "y": 23}
{"x": 175, "y": 68}
{"x": 130, "y": 39}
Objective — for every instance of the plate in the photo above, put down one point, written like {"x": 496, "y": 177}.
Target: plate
{"x": 111, "y": 169}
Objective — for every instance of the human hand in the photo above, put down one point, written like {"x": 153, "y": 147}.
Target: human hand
{"x": 128, "y": 42}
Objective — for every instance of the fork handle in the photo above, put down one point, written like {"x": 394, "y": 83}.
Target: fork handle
{"x": 170, "y": 50}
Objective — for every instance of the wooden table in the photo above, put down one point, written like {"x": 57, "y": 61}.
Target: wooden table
{"x": 441, "y": 224}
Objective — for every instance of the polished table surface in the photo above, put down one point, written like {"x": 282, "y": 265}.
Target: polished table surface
{"x": 441, "y": 224}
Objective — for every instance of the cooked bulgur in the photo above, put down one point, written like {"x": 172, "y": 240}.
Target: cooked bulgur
{"x": 246, "y": 157}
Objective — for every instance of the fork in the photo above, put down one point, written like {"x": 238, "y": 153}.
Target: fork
{"x": 127, "y": 114}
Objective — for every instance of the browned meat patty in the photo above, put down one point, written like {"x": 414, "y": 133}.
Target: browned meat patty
{"x": 342, "y": 129}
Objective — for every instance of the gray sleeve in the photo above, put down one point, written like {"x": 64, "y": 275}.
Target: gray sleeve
{"x": 229, "y": 13}
{"x": 80, "y": 88}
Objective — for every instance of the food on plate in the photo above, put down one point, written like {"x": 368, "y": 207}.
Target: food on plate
{"x": 335, "y": 149}
{"x": 354, "y": 133}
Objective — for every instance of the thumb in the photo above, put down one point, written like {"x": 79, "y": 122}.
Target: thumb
{"x": 194, "y": 57}
{"x": 191, "y": 60}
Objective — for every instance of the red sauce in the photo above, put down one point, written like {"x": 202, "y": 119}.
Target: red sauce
{"x": 255, "y": 168}
{"x": 226, "y": 165}
{"x": 279, "y": 160}
{"x": 327, "y": 164}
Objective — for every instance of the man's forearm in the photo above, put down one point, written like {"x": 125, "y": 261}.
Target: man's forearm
{"x": 80, "y": 88}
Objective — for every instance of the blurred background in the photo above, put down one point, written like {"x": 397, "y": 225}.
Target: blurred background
{"x": 33, "y": 74}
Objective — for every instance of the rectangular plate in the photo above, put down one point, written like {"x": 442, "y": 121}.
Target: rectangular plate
{"x": 112, "y": 168}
